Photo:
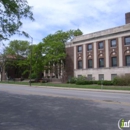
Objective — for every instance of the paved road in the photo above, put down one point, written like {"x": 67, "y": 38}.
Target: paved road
{"x": 34, "y": 108}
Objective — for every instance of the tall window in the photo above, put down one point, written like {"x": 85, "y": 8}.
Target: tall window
{"x": 90, "y": 63}
{"x": 80, "y": 64}
{"x": 89, "y": 47}
{"x": 127, "y": 40}
{"x": 113, "y": 61}
{"x": 79, "y": 48}
{"x": 113, "y": 43}
{"x": 127, "y": 60}
{"x": 101, "y": 62}
{"x": 100, "y": 45}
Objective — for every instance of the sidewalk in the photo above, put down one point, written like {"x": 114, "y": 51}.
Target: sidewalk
{"x": 87, "y": 89}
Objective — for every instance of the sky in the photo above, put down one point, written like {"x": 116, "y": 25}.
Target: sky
{"x": 87, "y": 15}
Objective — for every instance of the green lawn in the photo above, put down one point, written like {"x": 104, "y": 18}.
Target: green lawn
{"x": 72, "y": 85}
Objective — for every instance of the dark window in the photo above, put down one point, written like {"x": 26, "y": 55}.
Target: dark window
{"x": 79, "y": 48}
{"x": 127, "y": 60}
{"x": 80, "y": 64}
{"x": 100, "y": 45}
{"x": 89, "y": 77}
{"x": 79, "y": 76}
{"x": 101, "y": 76}
{"x": 90, "y": 63}
{"x": 113, "y": 76}
{"x": 101, "y": 62}
{"x": 127, "y": 40}
{"x": 113, "y": 43}
{"x": 114, "y": 61}
{"x": 89, "y": 47}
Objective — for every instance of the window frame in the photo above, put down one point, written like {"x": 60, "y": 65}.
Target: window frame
{"x": 100, "y": 66}
{"x": 126, "y": 60}
{"x": 80, "y": 50}
{"x": 99, "y": 47}
{"x": 125, "y": 43}
{"x": 111, "y": 43}
{"x": 113, "y": 65}
{"x": 101, "y": 77}
{"x": 91, "y": 63}
{"x": 80, "y": 66}
{"x": 88, "y": 47}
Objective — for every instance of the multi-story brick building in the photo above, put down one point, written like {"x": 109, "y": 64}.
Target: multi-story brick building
{"x": 100, "y": 55}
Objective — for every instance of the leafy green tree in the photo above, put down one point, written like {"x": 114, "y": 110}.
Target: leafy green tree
{"x": 11, "y": 14}
{"x": 50, "y": 53}
{"x": 17, "y": 56}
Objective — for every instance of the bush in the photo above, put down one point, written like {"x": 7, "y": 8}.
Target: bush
{"x": 81, "y": 80}
{"x": 105, "y": 82}
{"x": 122, "y": 80}
{"x": 33, "y": 75}
{"x": 72, "y": 80}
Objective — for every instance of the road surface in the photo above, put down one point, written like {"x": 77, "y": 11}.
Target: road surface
{"x": 45, "y": 108}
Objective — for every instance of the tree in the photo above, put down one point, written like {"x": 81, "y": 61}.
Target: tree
{"x": 11, "y": 14}
{"x": 50, "y": 53}
{"x": 16, "y": 55}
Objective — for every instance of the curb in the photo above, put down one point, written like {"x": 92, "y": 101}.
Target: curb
{"x": 82, "y": 89}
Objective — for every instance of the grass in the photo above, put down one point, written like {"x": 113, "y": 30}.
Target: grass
{"x": 70, "y": 85}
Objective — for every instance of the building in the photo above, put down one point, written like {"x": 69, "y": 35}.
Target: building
{"x": 100, "y": 55}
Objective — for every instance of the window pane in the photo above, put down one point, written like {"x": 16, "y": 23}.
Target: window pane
{"x": 89, "y": 77}
{"x": 101, "y": 62}
{"x": 79, "y": 64}
{"x": 89, "y": 47}
{"x": 127, "y": 60}
{"x": 79, "y": 48}
{"x": 113, "y": 43}
{"x": 90, "y": 64}
{"x": 114, "y": 61}
{"x": 100, "y": 45}
{"x": 127, "y": 40}
{"x": 101, "y": 76}
{"x": 113, "y": 76}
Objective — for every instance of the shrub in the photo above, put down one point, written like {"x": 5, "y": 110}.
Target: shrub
{"x": 122, "y": 80}
{"x": 33, "y": 75}
{"x": 81, "y": 80}
{"x": 72, "y": 80}
{"x": 105, "y": 82}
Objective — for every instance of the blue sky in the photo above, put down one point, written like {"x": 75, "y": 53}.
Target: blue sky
{"x": 87, "y": 15}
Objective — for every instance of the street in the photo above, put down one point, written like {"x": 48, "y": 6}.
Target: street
{"x": 47, "y": 108}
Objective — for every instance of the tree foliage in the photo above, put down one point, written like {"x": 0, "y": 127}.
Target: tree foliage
{"x": 11, "y": 14}
{"x": 51, "y": 51}
{"x": 17, "y": 56}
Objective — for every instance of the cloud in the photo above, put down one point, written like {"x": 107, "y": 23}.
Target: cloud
{"x": 87, "y": 15}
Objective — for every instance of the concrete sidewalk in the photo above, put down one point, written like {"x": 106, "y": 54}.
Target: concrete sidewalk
{"x": 87, "y": 89}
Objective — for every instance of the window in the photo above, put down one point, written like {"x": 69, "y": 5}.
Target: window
{"x": 114, "y": 61}
{"x": 79, "y": 64}
{"x": 101, "y": 76}
{"x": 113, "y": 43}
{"x": 100, "y": 45}
{"x": 113, "y": 76}
{"x": 79, "y": 48}
{"x": 101, "y": 62}
{"x": 127, "y": 40}
{"x": 89, "y": 47}
{"x": 90, "y": 63}
{"x": 79, "y": 76}
{"x": 127, "y": 60}
{"x": 89, "y": 77}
